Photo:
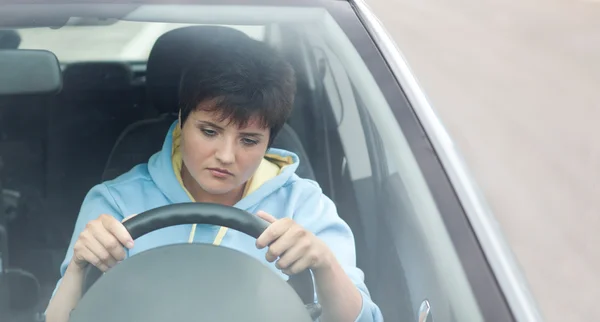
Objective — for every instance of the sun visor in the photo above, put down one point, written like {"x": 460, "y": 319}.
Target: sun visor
{"x": 29, "y": 72}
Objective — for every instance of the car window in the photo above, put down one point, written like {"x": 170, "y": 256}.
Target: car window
{"x": 404, "y": 209}
{"x": 119, "y": 41}
{"x": 359, "y": 152}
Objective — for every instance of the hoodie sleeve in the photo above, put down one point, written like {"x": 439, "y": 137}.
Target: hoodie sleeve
{"x": 98, "y": 201}
{"x": 318, "y": 214}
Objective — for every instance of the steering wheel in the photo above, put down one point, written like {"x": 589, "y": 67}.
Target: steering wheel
{"x": 188, "y": 282}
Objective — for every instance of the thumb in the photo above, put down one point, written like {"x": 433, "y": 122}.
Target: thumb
{"x": 266, "y": 216}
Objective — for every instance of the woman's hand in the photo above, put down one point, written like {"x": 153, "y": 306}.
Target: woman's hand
{"x": 296, "y": 248}
{"x": 101, "y": 243}
{"x": 299, "y": 249}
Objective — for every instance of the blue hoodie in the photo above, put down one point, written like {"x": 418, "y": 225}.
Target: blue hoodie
{"x": 274, "y": 188}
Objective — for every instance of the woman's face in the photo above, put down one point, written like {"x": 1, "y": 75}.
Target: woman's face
{"x": 219, "y": 155}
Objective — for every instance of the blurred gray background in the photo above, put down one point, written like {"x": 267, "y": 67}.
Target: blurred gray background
{"x": 517, "y": 85}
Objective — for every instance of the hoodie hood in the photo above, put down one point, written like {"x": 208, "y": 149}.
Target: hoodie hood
{"x": 275, "y": 170}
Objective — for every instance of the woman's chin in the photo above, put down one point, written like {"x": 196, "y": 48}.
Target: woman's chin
{"x": 217, "y": 188}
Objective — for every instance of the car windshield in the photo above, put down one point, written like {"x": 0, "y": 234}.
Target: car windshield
{"x": 113, "y": 114}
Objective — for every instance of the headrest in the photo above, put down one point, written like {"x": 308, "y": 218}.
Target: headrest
{"x": 27, "y": 72}
{"x": 97, "y": 76}
{"x": 172, "y": 52}
{"x": 9, "y": 39}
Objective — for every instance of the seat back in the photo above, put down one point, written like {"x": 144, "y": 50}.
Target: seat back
{"x": 97, "y": 103}
{"x": 171, "y": 53}
{"x": 30, "y": 79}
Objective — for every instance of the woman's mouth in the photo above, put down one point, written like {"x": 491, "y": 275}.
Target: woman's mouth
{"x": 220, "y": 173}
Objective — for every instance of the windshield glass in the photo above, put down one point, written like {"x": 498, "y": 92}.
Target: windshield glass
{"x": 104, "y": 138}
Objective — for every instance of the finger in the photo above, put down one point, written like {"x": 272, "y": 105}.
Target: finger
{"x": 302, "y": 264}
{"x": 83, "y": 254}
{"x": 280, "y": 246}
{"x": 292, "y": 255}
{"x": 109, "y": 242}
{"x": 266, "y": 216}
{"x": 274, "y": 231}
{"x": 118, "y": 230}
{"x": 94, "y": 260}
{"x": 91, "y": 243}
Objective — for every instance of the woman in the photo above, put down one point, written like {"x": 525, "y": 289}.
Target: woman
{"x": 233, "y": 102}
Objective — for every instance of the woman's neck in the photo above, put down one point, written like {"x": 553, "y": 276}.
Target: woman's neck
{"x": 201, "y": 195}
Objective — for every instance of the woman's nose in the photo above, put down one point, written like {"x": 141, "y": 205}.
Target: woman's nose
{"x": 226, "y": 152}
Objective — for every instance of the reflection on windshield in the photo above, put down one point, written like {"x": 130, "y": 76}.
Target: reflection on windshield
{"x": 124, "y": 40}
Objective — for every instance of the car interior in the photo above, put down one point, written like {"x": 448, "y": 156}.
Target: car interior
{"x": 109, "y": 116}
{"x": 106, "y": 119}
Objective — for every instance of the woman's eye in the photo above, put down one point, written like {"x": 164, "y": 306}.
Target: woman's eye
{"x": 208, "y": 132}
{"x": 249, "y": 142}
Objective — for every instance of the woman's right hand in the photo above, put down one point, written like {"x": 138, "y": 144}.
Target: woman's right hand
{"x": 101, "y": 243}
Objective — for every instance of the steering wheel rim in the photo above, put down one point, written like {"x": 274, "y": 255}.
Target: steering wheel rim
{"x": 212, "y": 214}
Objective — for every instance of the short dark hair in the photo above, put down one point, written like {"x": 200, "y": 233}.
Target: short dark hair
{"x": 244, "y": 79}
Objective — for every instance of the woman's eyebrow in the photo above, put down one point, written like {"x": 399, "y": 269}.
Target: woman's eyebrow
{"x": 255, "y": 134}
{"x": 210, "y": 124}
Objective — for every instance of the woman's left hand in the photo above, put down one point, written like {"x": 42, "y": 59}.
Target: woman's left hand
{"x": 296, "y": 248}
